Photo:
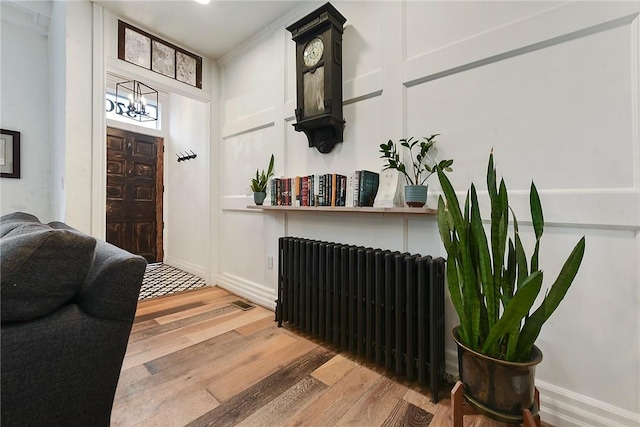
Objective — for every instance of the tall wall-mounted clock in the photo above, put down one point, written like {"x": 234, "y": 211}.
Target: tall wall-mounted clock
{"x": 318, "y": 38}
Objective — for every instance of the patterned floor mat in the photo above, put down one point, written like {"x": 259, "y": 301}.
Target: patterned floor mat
{"x": 162, "y": 279}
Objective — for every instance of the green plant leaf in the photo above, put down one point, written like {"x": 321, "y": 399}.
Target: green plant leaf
{"x": 453, "y": 284}
{"x": 470, "y": 288}
{"x": 516, "y": 311}
{"x": 509, "y": 277}
{"x": 444, "y": 226}
{"x": 484, "y": 261}
{"x": 533, "y": 324}
{"x": 512, "y": 343}
{"x": 538, "y": 223}
{"x": 270, "y": 169}
{"x": 536, "y": 211}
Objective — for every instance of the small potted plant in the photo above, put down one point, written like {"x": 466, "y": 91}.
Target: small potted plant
{"x": 415, "y": 192}
{"x": 259, "y": 183}
{"x": 493, "y": 287}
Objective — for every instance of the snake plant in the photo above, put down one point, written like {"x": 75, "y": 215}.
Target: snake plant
{"x": 259, "y": 183}
{"x": 493, "y": 286}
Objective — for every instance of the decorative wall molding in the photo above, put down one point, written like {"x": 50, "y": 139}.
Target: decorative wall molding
{"x": 31, "y": 15}
{"x": 559, "y": 25}
{"x": 362, "y": 87}
{"x": 252, "y": 123}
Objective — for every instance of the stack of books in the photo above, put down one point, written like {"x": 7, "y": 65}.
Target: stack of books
{"x": 330, "y": 189}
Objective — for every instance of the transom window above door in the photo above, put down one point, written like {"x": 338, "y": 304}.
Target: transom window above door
{"x": 148, "y": 51}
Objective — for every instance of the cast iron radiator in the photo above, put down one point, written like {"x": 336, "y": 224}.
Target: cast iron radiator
{"x": 383, "y": 305}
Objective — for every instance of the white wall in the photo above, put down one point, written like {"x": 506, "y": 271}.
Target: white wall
{"x": 26, "y": 111}
{"x": 187, "y": 186}
{"x": 553, "y": 88}
{"x": 72, "y": 104}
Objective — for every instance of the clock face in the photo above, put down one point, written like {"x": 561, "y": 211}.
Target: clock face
{"x": 313, "y": 52}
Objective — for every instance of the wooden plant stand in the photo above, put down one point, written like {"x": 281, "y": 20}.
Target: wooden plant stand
{"x": 460, "y": 408}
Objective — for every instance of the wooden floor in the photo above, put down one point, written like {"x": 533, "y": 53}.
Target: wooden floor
{"x": 194, "y": 359}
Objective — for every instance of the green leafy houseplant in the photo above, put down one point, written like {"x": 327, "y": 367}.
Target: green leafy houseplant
{"x": 419, "y": 165}
{"x": 259, "y": 183}
{"x": 492, "y": 284}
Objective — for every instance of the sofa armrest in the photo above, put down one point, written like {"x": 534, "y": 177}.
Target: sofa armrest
{"x": 113, "y": 283}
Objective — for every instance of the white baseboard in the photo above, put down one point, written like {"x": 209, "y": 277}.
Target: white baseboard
{"x": 565, "y": 408}
{"x": 186, "y": 266}
{"x": 252, "y": 291}
{"x": 561, "y": 407}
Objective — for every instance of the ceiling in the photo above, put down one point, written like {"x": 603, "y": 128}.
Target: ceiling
{"x": 211, "y": 30}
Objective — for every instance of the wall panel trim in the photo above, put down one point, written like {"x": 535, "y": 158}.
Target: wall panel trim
{"x": 571, "y": 22}
{"x": 254, "y": 122}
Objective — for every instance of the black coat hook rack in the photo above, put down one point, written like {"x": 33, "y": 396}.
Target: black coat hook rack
{"x": 186, "y": 156}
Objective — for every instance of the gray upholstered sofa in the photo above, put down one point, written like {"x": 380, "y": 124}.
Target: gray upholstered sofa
{"x": 68, "y": 302}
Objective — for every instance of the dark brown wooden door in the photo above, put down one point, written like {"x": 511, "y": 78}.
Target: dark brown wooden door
{"x": 134, "y": 193}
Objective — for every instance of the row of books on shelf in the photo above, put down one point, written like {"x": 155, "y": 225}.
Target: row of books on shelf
{"x": 329, "y": 189}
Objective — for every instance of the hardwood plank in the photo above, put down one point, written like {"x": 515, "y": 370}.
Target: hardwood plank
{"x": 197, "y": 375}
{"x": 153, "y": 352}
{"x": 141, "y": 326}
{"x": 287, "y": 405}
{"x": 248, "y": 401}
{"x": 203, "y": 313}
{"x": 186, "y": 408}
{"x": 407, "y": 414}
{"x": 203, "y": 352}
{"x": 153, "y": 314}
{"x": 254, "y": 327}
{"x": 129, "y": 377}
{"x": 161, "y": 303}
{"x": 340, "y": 398}
{"x": 421, "y": 400}
{"x": 160, "y": 345}
{"x": 206, "y": 307}
{"x": 247, "y": 374}
{"x": 375, "y": 406}
{"x": 212, "y": 329}
{"x": 334, "y": 370}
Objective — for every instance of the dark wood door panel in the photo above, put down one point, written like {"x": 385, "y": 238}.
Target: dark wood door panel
{"x": 134, "y": 193}
{"x": 144, "y": 240}
{"x": 115, "y": 232}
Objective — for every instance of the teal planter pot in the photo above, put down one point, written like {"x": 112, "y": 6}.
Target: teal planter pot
{"x": 415, "y": 196}
{"x": 258, "y": 198}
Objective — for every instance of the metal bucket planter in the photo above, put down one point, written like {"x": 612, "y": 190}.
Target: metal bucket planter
{"x": 415, "y": 196}
{"x": 499, "y": 389}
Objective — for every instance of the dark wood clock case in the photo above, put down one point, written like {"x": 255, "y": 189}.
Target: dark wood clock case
{"x": 321, "y": 83}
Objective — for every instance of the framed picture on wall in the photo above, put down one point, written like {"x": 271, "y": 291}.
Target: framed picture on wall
{"x": 9, "y": 154}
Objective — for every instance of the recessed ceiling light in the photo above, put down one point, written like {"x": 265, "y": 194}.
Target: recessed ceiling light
{"x": 203, "y": 1}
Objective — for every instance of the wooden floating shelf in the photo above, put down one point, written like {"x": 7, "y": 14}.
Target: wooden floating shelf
{"x": 342, "y": 209}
